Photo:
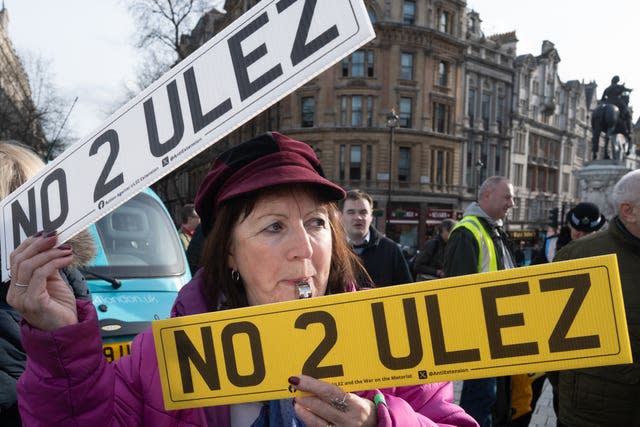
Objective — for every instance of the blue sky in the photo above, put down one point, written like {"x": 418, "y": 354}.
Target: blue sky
{"x": 89, "y": 43}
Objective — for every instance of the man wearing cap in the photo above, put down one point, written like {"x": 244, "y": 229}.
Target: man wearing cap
{"x": 581, "y": 221}
{"x": 380, "y": 255}
{"x": 479, "y": 244}
{"x": 584, "y": 219}
{"x": 608, "y": 395}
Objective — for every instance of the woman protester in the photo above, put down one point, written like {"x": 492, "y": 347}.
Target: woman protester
{"x": 272, "y": 233}
{"x": 17, "y": 164}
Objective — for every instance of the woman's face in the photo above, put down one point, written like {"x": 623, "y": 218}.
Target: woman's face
{"x": 284, "y": 240}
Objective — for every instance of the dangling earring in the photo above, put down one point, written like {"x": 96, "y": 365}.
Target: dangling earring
{"x": 235, "y": 275}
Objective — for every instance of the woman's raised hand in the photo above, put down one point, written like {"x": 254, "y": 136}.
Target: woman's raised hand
{"x": 37, "y": 290}
{"x": 330, "y": 406}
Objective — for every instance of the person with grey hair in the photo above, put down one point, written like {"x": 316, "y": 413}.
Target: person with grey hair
{"x": 429, "y": 263}
{"x": 478, "y": 244}
{"x": 18, "y": 163}
{"x": 609, "y": 395}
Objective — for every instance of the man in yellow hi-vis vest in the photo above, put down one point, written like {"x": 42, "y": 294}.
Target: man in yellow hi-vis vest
{"x": 479, "y": 244}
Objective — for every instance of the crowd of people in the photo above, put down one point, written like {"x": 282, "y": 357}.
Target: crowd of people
{"x": 267, "y": 199}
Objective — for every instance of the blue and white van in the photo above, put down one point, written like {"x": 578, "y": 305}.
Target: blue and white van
{"x": 138, "y": 270}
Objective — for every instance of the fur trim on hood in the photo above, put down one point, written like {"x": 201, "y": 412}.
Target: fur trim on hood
{"x": 84, "y": 248}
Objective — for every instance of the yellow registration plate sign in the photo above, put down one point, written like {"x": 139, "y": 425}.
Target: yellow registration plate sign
{"x": 116, "y": 350}
{"x": 556, "y": 316}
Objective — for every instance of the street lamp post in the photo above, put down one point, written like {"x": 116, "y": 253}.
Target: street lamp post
{"x": 392, "y": 123}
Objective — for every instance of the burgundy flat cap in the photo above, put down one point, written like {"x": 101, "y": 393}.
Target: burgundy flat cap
{"x": 265, "y": 161}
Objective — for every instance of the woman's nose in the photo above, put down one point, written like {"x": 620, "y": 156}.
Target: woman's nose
{"x": 299, "y": 243}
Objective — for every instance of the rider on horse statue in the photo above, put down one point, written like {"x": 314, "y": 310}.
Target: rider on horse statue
{"x": 618, "y": 95}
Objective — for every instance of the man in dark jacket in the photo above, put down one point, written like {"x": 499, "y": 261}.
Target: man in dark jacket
{"x": 380, "y": 255}
{"x": 610, "y": 395}
{"x": 479, "y": 244}
{"x": 429, "y": 263}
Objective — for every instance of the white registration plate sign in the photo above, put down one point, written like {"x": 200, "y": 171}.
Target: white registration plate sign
{"x": 267, "y": 53}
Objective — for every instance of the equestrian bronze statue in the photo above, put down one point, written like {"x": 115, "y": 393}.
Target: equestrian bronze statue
{"x": 612, "y": 116}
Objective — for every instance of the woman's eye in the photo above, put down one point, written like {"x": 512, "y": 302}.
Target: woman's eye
{"x": 318, "y": 222}
{"x": 275, "y": 227}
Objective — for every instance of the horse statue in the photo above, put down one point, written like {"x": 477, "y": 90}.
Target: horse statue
{"x": 606, "y": 118}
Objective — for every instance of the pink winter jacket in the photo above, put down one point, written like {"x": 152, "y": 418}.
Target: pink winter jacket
{"x": 69, "y": 383}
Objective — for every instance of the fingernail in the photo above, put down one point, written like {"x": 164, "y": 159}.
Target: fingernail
{"x": 294, "y": 380}
{"x": 65, "y": 247}
{"x": 51, "y": 233}
{"x": 38, "y": 234}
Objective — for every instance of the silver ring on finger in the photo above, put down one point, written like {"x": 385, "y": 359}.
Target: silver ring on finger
{"x": 20, "y": 285}
{"x": 340, "y": 403}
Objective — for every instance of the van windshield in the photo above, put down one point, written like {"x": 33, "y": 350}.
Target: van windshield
{"x": 138, "y": 239}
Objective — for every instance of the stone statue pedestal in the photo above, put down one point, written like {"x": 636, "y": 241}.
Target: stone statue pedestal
{"x": 596, "y": 181}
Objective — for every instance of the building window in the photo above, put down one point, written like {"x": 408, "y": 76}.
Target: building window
{"x": 308, "y": 111}
{"x": 409, "y": 12}
{"x": 406, "y": 109}
{"x": 354, "y": 165}
{"x": 565, "y": 182}
{"x": 520, "y": 143}
{"x": 441, "y": 166}
{"x": 352, "y": 110}
{"x": 356, "y": 110}
{"x": 369, "y": 111}
{"x": 517, "y": 175}
{"x": 369, "y": 161}
{"x": 497, "y": 160}
{"x": 355, "y": 162}
{"x": 359, "y": 64}
{"x": 471, "y": 107}
{"x": 486, "y": 109}
{"x": 470, "y": 169}
{"x": 406, "y": 66}
{"x": 567, "y": 154}
{"x": 404, "y": 164}
{"x": 531, "y": 182}
{"x": 341, "y": 161}
{"x": 443, "y": 74}
{"x": 440, "y": 117}
{"x": 444, "y": 22}
{"x": 370, "y": 62}
{"x": 372, "y": 15}
{"x": 500, "y": 106}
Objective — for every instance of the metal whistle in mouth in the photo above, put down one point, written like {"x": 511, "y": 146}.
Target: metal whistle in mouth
{"x": 304, "y": 290}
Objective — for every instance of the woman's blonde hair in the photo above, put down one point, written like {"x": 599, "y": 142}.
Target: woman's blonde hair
{"x": 17, "y": 164}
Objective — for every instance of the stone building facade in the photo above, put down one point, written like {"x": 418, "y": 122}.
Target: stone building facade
{"x": 414, "y": 67}
{"x": 19, "y": 119}
{"x": 489, "y": 77}
{"x": 551, "y": 138}
{"x": 467, "y": 107}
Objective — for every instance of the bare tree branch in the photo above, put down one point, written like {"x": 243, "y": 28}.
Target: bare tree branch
{"x": 163, "y": 22}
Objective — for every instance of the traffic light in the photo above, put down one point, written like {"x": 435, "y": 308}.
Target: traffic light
{"x": 553, "y": 217}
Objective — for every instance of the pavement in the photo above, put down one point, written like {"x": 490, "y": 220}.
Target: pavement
{"x": 543, "y": 414}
